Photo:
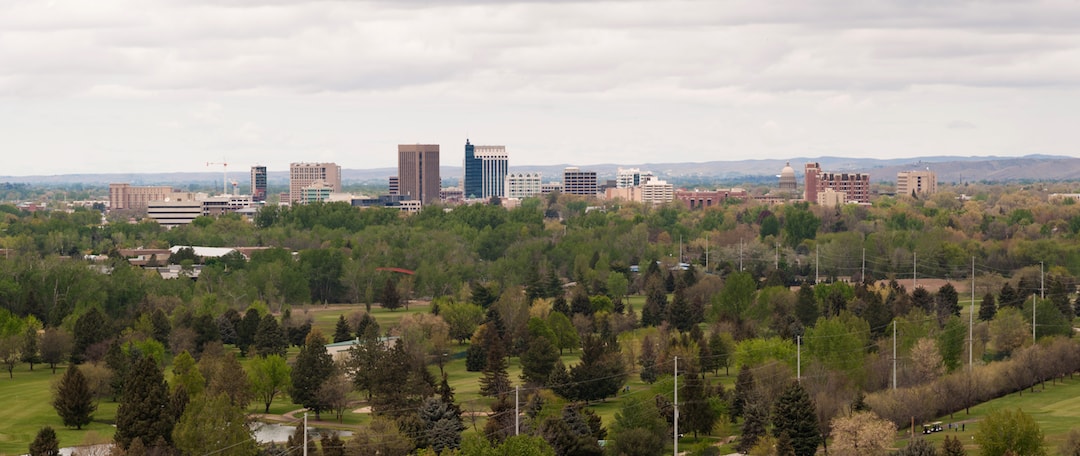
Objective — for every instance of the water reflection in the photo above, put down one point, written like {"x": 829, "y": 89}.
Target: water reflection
{"x": 276, "y": 432}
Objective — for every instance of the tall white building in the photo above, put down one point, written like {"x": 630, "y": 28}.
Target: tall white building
{"x": 632, "y": 177}
{"x": 523, "y": 185}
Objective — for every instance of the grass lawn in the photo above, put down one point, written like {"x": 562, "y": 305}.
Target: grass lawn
{"x": 1056, "y": 409}
{"x": 27, "y": 402}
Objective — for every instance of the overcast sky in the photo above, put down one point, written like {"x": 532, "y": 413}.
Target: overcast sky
{"x": 168, "y": 85}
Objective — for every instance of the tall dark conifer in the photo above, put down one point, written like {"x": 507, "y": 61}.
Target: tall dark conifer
{"x": 987, "y": 308}
{"x": 795, "y": 414}
{"x": 145, "y": 410}
{"x": 313, "y": 367}
{"x": 74, "y": 401}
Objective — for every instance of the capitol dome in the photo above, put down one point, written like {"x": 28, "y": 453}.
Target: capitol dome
{"x": 787, "y": 178}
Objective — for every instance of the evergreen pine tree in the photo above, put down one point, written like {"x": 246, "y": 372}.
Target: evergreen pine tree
{"x": 755, "y": 420}
{"x": 552, "y": 284}
{"x": 681, "y": 315}
{"x": 579, "y": 302}
{"x": 145, "y": 410}
{"x": 500, "y": 424}
{"x": 987, "y": 308}
{"x": 952, "y": 447}
{"x": 647, "y": 360}
{"x": 245, "y": 331}
{"x": 806, "y": 308}
{"x": 795, "y": 414}
{"x": 313, "y": 367}
{"x": 922, "y": 299}
{"x": 390, "y": 298}
{"x": 538, "y": 360}
{"x": 45, "y": 443}
{"x": 744, "y": 387}
{"x": 696, "y": 412}
{"x": 560, "y": 305}
{"x": 342, "y": 331}
{"x": 495, "y": 380}
{"x": 1009, "y": 296}
{"x": 74, "y": 401}
{"x": 270, "y": 338}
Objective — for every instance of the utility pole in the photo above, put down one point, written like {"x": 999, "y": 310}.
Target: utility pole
{"x": 676, "y": 436}
{"x": 914, "y": 270}
{"x": 863, "y": 265}
{"x": 305, "y": 434}
{"x": 517, "y": 414}
{"x": 817, "y": 261}
{"x": 894, "y": 354}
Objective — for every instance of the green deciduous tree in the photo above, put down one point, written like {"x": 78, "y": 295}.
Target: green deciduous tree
{"x": 74, "y": 401}
{"x": 638, "y": 430}
{"x": 55, "y": 347}
{"x": 269, "y": 376}
{"x": 211, "y": 424}
{"x": 1010, "y": 430}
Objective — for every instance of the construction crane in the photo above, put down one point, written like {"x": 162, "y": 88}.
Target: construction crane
{"x": 224, "y": 175}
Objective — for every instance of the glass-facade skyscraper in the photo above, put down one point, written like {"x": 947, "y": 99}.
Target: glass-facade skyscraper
{"x": 485, "y": 171}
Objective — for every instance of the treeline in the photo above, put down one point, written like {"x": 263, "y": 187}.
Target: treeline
{"x": 730, "y": 286}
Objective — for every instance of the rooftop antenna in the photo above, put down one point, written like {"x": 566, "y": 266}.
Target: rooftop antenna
{"x": 224, "y": 175}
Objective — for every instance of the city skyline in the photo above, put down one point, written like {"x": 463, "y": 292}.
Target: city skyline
{"x": 120, "y": 86}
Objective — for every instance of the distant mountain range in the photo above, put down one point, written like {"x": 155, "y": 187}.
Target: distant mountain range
{"x": 948, "y": 169}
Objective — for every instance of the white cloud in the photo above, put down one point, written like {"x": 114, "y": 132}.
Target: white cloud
{"x": 616, "y": 79}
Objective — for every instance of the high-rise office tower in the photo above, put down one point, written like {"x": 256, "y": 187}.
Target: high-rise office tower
{"x": 578, "y": 182}
{"x": 258, "y": 183}
{"x": 304, "y": 174}
{"x": 418, "y": 171}
{"x": 485, "y": 171}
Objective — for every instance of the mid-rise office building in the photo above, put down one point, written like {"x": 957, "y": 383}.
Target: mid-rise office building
{"x": 418, "y": 172}
{"x": 551, "y": 187}
{"x": 304, "y": 174}
{"x": 656, "y": 191}
{"x": 318, "y": 191}
{"x": 258, "y": 183}
{"x": 523, "y": 185}
{"x": 916, "y": 183}
{"x": 697, "y": 199}
{"x": 578, "y": 182}
{"x": 124, "y": 196}
{"x": 485, "y": 171}
{"x": 855, "y": 186}
{"x": 632, "y": 177}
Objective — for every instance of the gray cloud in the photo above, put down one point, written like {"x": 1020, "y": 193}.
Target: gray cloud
{"x": 449, "y": 66}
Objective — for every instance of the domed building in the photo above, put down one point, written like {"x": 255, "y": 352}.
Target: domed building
{"x": 787, "y": 178}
